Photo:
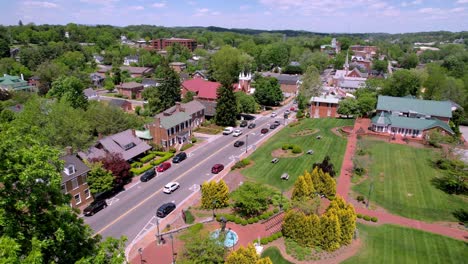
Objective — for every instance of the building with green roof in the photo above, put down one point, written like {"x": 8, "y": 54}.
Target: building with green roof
{"x": 411, "y": 117}
{"x": 15, "y": 83}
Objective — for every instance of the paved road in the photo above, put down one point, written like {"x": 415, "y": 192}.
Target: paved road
{"x": 130, "y": 211}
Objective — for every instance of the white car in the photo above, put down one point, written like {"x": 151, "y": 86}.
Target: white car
{"x": 170, "y": 187}
{"x": 237, "y": 133}
{"x": 273, "y": 114}
{"x": 228, "y": 130}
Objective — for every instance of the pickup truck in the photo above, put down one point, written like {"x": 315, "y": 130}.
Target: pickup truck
{"x": 228, "y": 130}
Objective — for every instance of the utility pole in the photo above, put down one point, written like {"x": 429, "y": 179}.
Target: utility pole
{"x": 246, "y": 143}
{"x": 158, "y": 237}
{"x": 172, "y": 245}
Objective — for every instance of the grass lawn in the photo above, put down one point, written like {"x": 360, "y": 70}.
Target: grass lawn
{"x": 330, "y": 144}
{"x": 393, "y": 244}
{"x": 275, "y": 255}
{"x": 401, "y": 177}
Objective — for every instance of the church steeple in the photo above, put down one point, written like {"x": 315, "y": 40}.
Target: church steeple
{"x": 346, "y": 65}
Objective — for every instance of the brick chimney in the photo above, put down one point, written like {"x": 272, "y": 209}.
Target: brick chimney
{"x": 179, "y": 107}
{"x": 69, "y": 150}
{"x": 133, "y": 132}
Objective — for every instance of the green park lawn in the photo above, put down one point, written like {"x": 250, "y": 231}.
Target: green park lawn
{"x": 394, "y": 244}
{"x": 275, "y": 256}
{"x": 330, "y": 144}
{"x": 401, "y": 177}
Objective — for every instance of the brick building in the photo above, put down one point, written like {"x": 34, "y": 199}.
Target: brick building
{"x": 74, "y": 180}
{"x": 132, "y": 90}
{"x": 163, "y": 43}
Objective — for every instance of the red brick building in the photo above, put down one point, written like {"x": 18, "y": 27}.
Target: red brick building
{"x": 326, "y": 105}
{"x": 74, "y": 180}
{"x": 163, "y": 43}
{"x": 131, "y": 90}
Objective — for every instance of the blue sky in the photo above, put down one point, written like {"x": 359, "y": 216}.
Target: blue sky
{"x": 313, "y": 15}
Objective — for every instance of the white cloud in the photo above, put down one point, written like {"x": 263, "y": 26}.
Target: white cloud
{"x": 429, "y": 10}
{"x": 457, "y": 9}
{"x": 244, "y": 7}
{"x": 202, "y": 10}
{"x": 192, "y": 3}
{"x": 136, "y": 8}
{"x": 215, "y": 13}
{"x": 159, "y": 5}
{"x": 462, "y": 2}
{"x": 43, "y": 4}
{"x": 99, "y": 2}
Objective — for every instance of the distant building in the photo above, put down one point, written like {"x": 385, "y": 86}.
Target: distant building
{"x": 122, "y": 104}
{"x": 96, "y": 79}
{"x": 289, "y": 83}
{"x": 131, "y": 90}
{"x": 206, "y": 93}
{"x": 163, "y": 43}
{"x": 349, "y": 80}
{"x": 98, "y": 59}
{"x": 15, "y": 83}
{"x": 326, "y": 105}
{"x": 90, "y": 93}
{"x": 332, "y": 49}
{"x": 135, "y": 72}
{"x": 178, "y": 66}
{"x": 128, "y": 60}
{"x": 367, "y": 52}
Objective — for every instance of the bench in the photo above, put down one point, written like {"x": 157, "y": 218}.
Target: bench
{"x": 275, "y": 160}
{"x": 310, "y": 152}
{"x": 285, "y": 176}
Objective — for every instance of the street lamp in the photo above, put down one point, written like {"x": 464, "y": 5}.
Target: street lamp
{"x": 140, "y": 251}
{"x": 246, "y": 143}
{"x": 172, "y": 245}
{"x": 158, "y": 237}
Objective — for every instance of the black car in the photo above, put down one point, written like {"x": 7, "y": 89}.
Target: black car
{"x": 95, "y": 207}
{"x": 179, "y": 157}
{"x": 165, "y": 209}
{"x": 243, "y": 123}
{"x": 238, "y": 143}
{"x": 273, "y": 126}
{"x": 277, "y": 123}
{"x": 251, "y": 125}
{"x": 148, "y": 175}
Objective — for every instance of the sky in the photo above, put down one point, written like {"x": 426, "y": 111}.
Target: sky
{"x": 328, "y": 16}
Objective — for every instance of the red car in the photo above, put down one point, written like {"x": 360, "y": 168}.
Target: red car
{"x": 163, "y": 166}
{"x": 292, "y": 109}
{"x": 217, "y": 168}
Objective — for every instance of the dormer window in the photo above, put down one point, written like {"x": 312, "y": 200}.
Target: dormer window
{"x": 129, "y": 146}
{"x": 69, "y": 169}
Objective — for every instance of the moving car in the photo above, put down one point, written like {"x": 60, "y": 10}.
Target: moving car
{"x": 95, "y": 207}
{"x": 170, "y": 187}
{"x": 179, "y": 157}
{"x": 238, "y": 143}
{"x": 217, "y": 168}
{"x": 228, "y": 130}
{"x": 163, "y": 166}
{"x": 165, "y": 209}
{"x": 243, "y": 123}
{"x": 251, "y": 125}
{"x": 273, "y": 114}
{"x": 148, "y": 175}
{"x": 237, "y": 133}
{"x": 264, "y": 130}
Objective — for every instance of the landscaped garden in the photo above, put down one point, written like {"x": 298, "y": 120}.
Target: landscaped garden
{"x": 395, "y": 244}
{"x": 401, "y": 178}
{"x": 303, "y": 134}
{"x": 275, "y": 255}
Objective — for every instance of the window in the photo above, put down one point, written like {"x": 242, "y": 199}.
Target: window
{"x": 77, "y": 198}
{"x": 64, "y": 188}
{"x": 69, "y": 169}
{"x": 87, "y": 193}
{"x": 74, "y": 183}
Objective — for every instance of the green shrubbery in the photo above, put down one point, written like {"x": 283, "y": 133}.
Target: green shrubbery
{"x": 164, "y": 156}
{"x": 186, "y": 146}
{"x": 269, "y": 239}
{"x": 367, "y": 218}
{"x": 241, "y": 164}
{"x": 241, "y": 221}
{"x": 296, "y": 149}
{"x": 148, "y": 157}
{"x": 172, "y": 150}
{"x": 189, "y": 218}
{"x": 138, "y": 171}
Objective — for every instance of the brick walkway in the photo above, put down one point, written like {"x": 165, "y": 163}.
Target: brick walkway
{"x": 344, "y": 183}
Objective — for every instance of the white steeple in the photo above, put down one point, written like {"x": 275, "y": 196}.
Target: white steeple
{"x": 346, "y": 65}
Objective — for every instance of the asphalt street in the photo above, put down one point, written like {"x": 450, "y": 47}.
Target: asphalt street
{"x": 130, "y": 211}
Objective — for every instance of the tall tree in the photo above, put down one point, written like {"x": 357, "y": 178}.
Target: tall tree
{"x": 222, "y": 194}
{"x": 224, "y": 65}
{"x": 47, "y": 72}
{"x": 4, "y": 48}
{"x": 169, "y": 90}
{"x": 99, "y": 179}
{"x": 154, "y": 103}
{"x": 69, "y": 89}
{"x": 435, "y": 82}
{"x": 251, "y": 199}
{"x": 311, "y": 84}
{"x": 268, "y": 91}
{"x": 117, "y": 165}
{"x": 402, "y": 83}
{"x": 200, "y": 247}
{"x": 246, "y": 103}
{"x": 331, "y": 232}
{"x": 301, "y": 189}
{"x": 246, "y": 255}
{"x": 348, "y": 107}
{"x": 346, "y": 217}
{"x": 226, "y": 107}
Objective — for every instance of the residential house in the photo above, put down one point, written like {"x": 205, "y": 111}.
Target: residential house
{"x": 74, "y": 180}
{"x": 144, "y": 135}
{"x": 134, "y": 71}
{"x": 367, "y": 52}
{"x": 90, "y": 94}
{"x": 326, "y": 105}
{"x": 34, "y": 81}
{"x": 411, "y": 117}
{"x": 289, "y": 83}
{"x": 173, "y": 127}
{"x": 163, "y": 43}
{"x": 200, "y": 75}
{"x": 206, "y": 93}
{"x": 125, "y": 143}
{"x": 98, "y": 59}
{"x": 122, "y": 104}
{"x": 131, "y": 90}
{"x": 97, "y": 79}
{"x": 147, "y": 82}
{"x": 128, "y": 60}
{"x": 15, "y": 83}
{"x": 349, "y": 80}
{"x": 178, "y": 66}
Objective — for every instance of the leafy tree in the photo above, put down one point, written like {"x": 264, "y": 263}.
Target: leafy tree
{"x": 308, "y": 205}
{"x": 331, "y": 232}
{"x": 366, "y": 103}
{"x": 292, "y": 69}
{"x": 329, "y": 184}
{"x": 311, "y": 83}
{"x": 301, "y": 189}
{"x": 4, "y": 48}
{"x": 268, "y": 91}
{"x": 47, "y": 72}
{"x": 6, "y": 115}
{"x": 226, "y": 107}
{"x": 70, "y": 89}
{"x": 292, "y": 226}
{"x": 309, "y": 182}
{"x": 153, "y": 97}
{"x": 110, "y": 251}
{"x": 208, "y": 195}
{"x": 73, "y": 59}
{"x": 276, "y": 54}
{"x": 246, "y": 103}
{"x": 12, "y": 67}
{"x": 402, "y": 83}
{"x": 346, "y": 217}
{"x": 99, "y": 179}
{"x": 454, "y": 65}
{"x": 246, "y": 255}
{"x": 316, "y": 180}
{"x": 410, "y": 61}
{"x": 116, "y": 75}
{"x": 224, "y": 65}
{"x": 348, "y": 107}
{"x": 222, "y": 194}
{"x": 117, "y": 165}
{"x": 318, "y": 59}
{"x": 188, "y": 97}
{"x": 339, "y": 61}
{"x": 380, "y": 65}
{"x": 200, "y": 247}
{"x": 326, "y": 166}
{"x": 435, "y": 82}
{"x": 251, "y": 199}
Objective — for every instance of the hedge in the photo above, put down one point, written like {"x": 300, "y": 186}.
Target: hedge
{"x": 296, "y": 149}
{"x": 285, "y": 146}
{"x": 359, "y": 216}
{"x": 138, "y": 171}
{"x": 268, "y": 239}
{"x": 367, "y": 218}
{"x": 148, "y": 157}
{"x": 186, "y": 146}
{"x": 164, "y": 156}
{"x": 373, "y": 219}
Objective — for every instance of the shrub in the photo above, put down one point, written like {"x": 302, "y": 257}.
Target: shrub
{"x": 359, "y": 216}
{"x": 250, "y": 221}
{"x": 194, "y": 140}
{"x": 263, "y": 216}
{"x": 276, "y": 210}
{"x": 245, "y": 162}
{"x": 360, "y": 198}
{"x": 189, "y": 218}
{"x": 237, "y": 220}
{"x": 244, "y": 222}
{"x": 186, "y": 146}
{"x": 255, "y": 219}
{"x": 138, "y": 171}
{"x": 285, "y": 146}
{"x": 164, "y": 156}
{"x": 374, "y": 219}
{"x": 148, "y": 157}
{"x": 270, "y": 239}
{"x": 196, "y": 227}
{"x": 172, "y": 150}
{"x": 230, "y": 217}
{"x": 367, "y": 218}
{"x": 136, "y": 164}
{"x": 263, "y": 241}
{"x": 296, "y": 149}
{"x": 218, "y": 218}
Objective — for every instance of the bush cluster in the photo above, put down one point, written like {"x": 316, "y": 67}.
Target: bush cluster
{"x": 269, "y": 239}
{"x": 241, "y": 221}
{"x": 360, "y": 198}
{"x": 172, "y": 150}
{"x": 164, "y": 156}
{"x": 367, "y": 218}
{"x": 241, "y": 164}
{"x": 189, "y": 218}
{"x": 193, "y": 140}
{"x": 138, "y": 171}
{"x": 295, "y": 148}
{"x": 148, "y": 157}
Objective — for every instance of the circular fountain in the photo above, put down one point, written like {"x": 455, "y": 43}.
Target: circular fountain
{"x": 231, "y": 237}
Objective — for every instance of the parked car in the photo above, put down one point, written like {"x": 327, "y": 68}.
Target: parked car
{"x": 94, "y": 207}
{"x": 277, "y": 123}
{"x": 252, "y": 125}
{"x": 170, "y": 187}
{"x": 287, "y": 112}
{"x": 273, "y": 114}
{"x": 148, "y": 175}
{"x": 273, "y": 126}
{"x": 228, "y": 130}
{"x": 292, "y": 109}
{"x": 237, "y": 133}
{"x": 238, "y": 143}
{"x": 163, "y": 166}
{"x": 179, "y": 157}
{"x": 264, "y": 130}
{"x": 217, "y": 168}
{"x": 243, "y": 123}
{"x": 165, "y": 209}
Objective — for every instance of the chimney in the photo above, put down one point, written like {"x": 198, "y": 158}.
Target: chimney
{"x": 69, "y": 150}
{"x": 22, "y": 77}
{"x": 133, "y": 132}
{"x": 99, "y": 135}
{"x": 178, "y": 107}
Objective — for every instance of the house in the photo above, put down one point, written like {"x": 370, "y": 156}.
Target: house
{"x": 407, "y": 116}
{"x": 125, "y": 143}
{"x": 131, "y": 90}
{"x": 349, "y": 80}
{"x": 206, "y": 93}
{"x": 332, "y": 49}
{"x": 147, "y": 82}
{"x": 128, "y": 60}
{"x": 144, "y": 135}
{"x": 34, "y": 81}
{"x": 74, "y": 180}
{"x": 122, "y": 104}
{"x": 289, "y": 83}
{"x": 90, "y": 93}
{"x": 200, "y": 75}
{"x": 367, "y": 52}
{"x": 173, "y": 127}
{"x": 326, "y": 105}
{"x": 15, "y": 83}
{"x": 97, "y": 79}
{"x": 134, "y": 71}
{"x": 178, "y": 66}
{"x": 163, "y": 43}
{"x": 98, "y": 59}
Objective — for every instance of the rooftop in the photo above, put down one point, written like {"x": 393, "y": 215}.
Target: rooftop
{"x": 203, "y": 88}
{"x": 80, "y": 167}
{"x": 174, "y": 119}
{"x": 130, "y": 85}
{"x": 410, "y": 123}
{"x": 411, "y": 105}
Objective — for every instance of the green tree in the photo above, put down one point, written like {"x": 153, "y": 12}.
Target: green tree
{"x": 12, "y": 67}
{"x": 292, "y": 226}
{"x": 154, "y": 103}
{"x": 410, "y": 61}
{"x": 346, "y": 217}
{"x": 348, "y": 107}
{"x": 116, "y": 75}
{"x": 69, "y": 89}
{"x": 329, "y": 184}
{"x": 99, "y": 179}
{"x": 222, "y": 194}
{"x": 73, "y": 59}
{"x": 268, "y": 91}
{"x": 110, "y": 251}
{"x": 339, "y": 61}
{"x": 48, "y": 72}
{"x": 200, "y": 247}
{"x": 276, "y": 54}
{"x": 301, "y": 189}
{"x": 380, "y": 65}
{"x": 402, "y": 83}
{"x": 366, "y": 103}
{"x": 331, "y": 232}
{"x": 311, "y": 84}
{"x": 188, "y": 97}
{"x": 316, "y": 180}
{"x": 243, "y": 255}
{"x": 169, "y": 88}
{"x": 318, "y": 59}
{"x": 224, "y": 65}
{"x": 435, "y": 82}
{"x": 4, "y": 48}
{"x": 251, "y": 199}
{"x": 226, "y": 107}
